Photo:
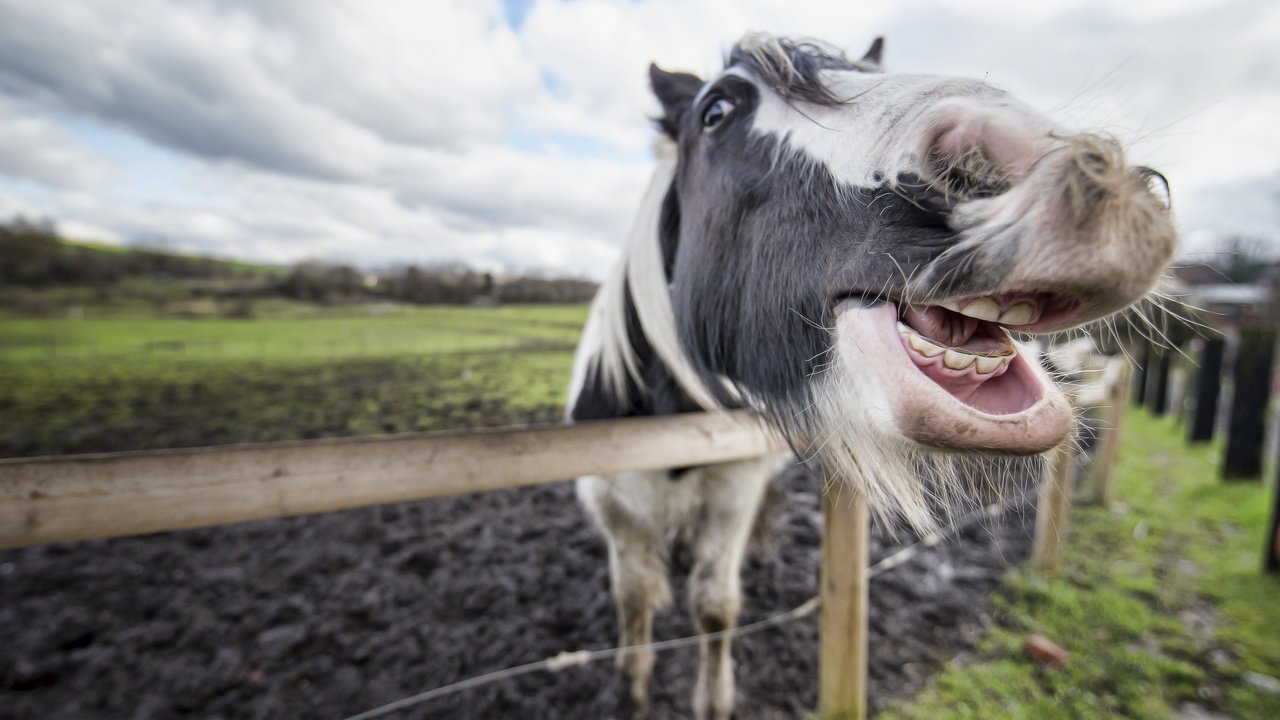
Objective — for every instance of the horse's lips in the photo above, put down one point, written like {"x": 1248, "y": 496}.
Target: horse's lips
{"x": 1031, "y": 416}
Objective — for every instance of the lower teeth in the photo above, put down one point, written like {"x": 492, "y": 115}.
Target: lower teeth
{"x": 957, "y": 358}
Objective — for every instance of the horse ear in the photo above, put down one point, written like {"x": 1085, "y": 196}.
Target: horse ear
{"x": 676, "y": 92}
{"x": 873, "y": 54}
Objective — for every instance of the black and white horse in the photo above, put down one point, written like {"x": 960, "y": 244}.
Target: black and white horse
{"x": 843, "y": 250}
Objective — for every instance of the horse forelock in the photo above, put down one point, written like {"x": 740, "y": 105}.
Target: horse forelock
{"x": 794, "y": 69}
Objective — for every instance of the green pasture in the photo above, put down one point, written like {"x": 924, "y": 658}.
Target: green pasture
{"x": 120, "y": 381}
{"x": 358, "y": 331}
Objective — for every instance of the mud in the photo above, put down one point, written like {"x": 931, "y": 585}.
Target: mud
{"x": 330, "y": 615}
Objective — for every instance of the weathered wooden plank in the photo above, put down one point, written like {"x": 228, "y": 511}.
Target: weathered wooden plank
{"x": 94, "y": 496}
{"x": 1271, "y": 553}
{"x": 842, "y": 693}
{"x": 1052, "y": 509}
{"x": 1116, "y": 384}
{"x": 1114, "y": 391}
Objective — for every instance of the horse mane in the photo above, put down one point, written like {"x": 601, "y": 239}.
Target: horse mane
{"x": 794, "y": 68}
{"x": 639, "y": 280}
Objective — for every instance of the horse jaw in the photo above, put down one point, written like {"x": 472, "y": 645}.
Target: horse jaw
{"x": 1022, "y": 412}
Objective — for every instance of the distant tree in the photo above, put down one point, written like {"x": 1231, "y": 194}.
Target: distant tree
{"x": 316, "y": 282}
{"x": 32, "y": 253}
{"x": 29, "y": 252}
{"x": 1244, "y": 259}
{"x": 533, "y": 289}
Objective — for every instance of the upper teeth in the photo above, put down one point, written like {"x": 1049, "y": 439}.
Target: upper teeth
{"x": 985, "y": 308}
{"x": 958, "y": 358}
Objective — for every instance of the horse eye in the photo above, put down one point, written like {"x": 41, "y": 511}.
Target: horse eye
{"x": 716, "y": 113}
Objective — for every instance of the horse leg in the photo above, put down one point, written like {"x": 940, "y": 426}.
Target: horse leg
{"x": 639, "y": 579}
{"x": 637, "y": 571}
{"x": 731, "y": 500}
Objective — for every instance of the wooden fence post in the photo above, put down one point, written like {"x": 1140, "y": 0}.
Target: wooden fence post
{"x": 1180, "y": 385}
{"x": 842, "y": 693}
{"x": 1252, "y": 390}
{"x": 1052, "y": 507}
{"x": 1208, "y": 387}
{"x": 1158, "y": 392}
{"x": 1271, "y": 554}
{"x": 1117, "y": 380}
{"x": 1141, "y": 373}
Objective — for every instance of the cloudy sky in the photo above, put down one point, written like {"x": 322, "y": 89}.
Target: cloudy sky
{"x": 513, "y": 135}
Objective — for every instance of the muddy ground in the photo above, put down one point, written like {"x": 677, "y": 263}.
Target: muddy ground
{"x": 330, "y": 615}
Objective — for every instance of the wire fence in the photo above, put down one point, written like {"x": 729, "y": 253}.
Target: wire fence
{"x": 577, "y": 658}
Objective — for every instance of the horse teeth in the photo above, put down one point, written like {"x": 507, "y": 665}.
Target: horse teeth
{"x": 958, "y": 360}
{"x": 924, "y": 347}
{"x": 987, "y": 309}
{"x": 1023, "y": 313}
{"x": 987, "y": 365}
{"x": 982, "y": 308}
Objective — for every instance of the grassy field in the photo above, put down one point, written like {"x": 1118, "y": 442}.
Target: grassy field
{"x": 320, "y": 333}
{"x": 115, "y": 380}
{"x": 1160, "y": 602}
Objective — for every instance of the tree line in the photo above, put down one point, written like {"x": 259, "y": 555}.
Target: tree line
{"x": 33, "y": 254}
{"x": 455, "y": 284}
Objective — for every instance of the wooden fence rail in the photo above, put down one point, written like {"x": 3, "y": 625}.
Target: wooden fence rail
{"x": 108, "y": 495}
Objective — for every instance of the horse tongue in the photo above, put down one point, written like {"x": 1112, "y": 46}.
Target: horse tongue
{"x": 941, "y": 325}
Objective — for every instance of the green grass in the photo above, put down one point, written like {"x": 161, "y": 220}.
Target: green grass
{"x": 1160, "y": 602}
{"x": 333, "y": 333}
{"x": 122, "y": 382}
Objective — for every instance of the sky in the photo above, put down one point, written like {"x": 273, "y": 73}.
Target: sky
{"x": 515, "y": 136}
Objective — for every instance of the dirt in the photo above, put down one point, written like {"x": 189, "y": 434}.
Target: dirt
{"x": 330, "y": 615}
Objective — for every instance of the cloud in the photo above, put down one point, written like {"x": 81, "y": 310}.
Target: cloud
{"x": 325, "y": 90}
{"x": 412, "y": 131}
{"x": 35, "y": 149}
{"x": 411, "y": 99}
{"x": 276, "y": 219}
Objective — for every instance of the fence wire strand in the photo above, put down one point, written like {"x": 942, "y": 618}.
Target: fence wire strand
{"x": 577, "y": 658}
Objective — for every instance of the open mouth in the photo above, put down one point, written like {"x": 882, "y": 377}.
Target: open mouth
{"x": 965, "y": 348}
{"x": 952, "y": 375}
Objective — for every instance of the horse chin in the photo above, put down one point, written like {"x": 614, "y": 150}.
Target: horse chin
{"x": 1015, "y": 410}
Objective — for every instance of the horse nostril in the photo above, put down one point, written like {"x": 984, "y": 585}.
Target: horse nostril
{"x": 967, "y": 175}
{"x": 976, "y": 155}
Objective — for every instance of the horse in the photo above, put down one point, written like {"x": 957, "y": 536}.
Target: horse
{"x": 844, "y": 251}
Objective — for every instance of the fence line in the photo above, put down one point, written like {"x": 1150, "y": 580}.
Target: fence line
{"x": 96, "y": 496}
